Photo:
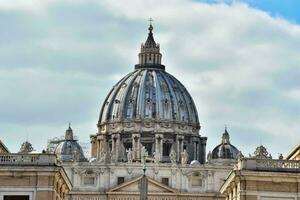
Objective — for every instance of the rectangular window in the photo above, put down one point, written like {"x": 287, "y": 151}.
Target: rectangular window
{"x": 165, "y": 181}
{"x": 121, "y": 180}
{"x": 166, "y": 149}
{"x": 89, "y": 181}
{"x": 16, "y": 197}
{"x": 196, "y": 182}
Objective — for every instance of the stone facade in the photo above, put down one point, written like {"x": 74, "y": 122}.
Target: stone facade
{"x": 263, "y": 179}
{"x": 93, "y": 179}
{"x": 32, "y": 177}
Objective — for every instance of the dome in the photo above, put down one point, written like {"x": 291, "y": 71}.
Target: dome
{"x": 148, "y": 109}
{"x": 225, "y": 150}
{"x": 149, "y": 93}
{"x": 69, "y": 149}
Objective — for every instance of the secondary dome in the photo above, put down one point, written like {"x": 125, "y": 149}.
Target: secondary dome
{"x": 149, "y": 93}
{"x": 225, "y": 150}
{"x": 69, "y": 149}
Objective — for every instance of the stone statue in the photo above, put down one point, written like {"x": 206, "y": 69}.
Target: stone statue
{"x": 184, "y": 157}
{"x": 209, "y": 157}
{"x": 112, "y": 156}
{"x": 129, "y": 155}
{"x": 144, "y": 154}
{"x": 156, "y": 157}
{"x": 261, "y": 153}
{"x": 172, "y": 156}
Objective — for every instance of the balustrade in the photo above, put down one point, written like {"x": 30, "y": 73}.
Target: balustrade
{"x": 27, "y": 159}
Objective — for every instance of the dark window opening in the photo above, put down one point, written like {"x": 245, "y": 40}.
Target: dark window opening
{"x": 128, "y": 146}
{"x": 148, "y": 147}
{"x": 121, "y": 180}
{"x": 110, "y": 146}
{"x": 166, "y": 149}
{"x": 165, "y": 181}
{"x": 16, "y": 197}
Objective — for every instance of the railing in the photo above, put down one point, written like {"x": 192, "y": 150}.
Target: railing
{"x": 269, "y": 165}
{"x": 27, "y": 159}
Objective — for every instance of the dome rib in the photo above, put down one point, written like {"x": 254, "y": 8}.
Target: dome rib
{"x": 158, "y": 105}
{"x": 180, "y": 98}
{"x": 106, "y": 108}
{"x": 140, "y": 97}
{"x": 190, "y": 105}
{"x": 128, "y": 98}
{"x": 172, "y": 96}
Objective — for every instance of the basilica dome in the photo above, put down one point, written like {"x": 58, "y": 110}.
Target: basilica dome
{"x": 148, "y": 111}
{"x": 149, "y": 93}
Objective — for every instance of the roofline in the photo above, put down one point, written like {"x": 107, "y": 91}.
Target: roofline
{"x": 290, "y": 154}
{"x": 5, "y": 147}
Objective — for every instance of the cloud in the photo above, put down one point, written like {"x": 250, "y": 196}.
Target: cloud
{"x": 240, "y": 65}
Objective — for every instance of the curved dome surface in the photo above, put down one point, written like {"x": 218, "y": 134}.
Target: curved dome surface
{"x": 225, "y": 150}
{"x": 149, "y": 93}
{"x": 69, "y": 149}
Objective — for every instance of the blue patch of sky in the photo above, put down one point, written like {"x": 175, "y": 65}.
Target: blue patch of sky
{"x": 287, "y": 9}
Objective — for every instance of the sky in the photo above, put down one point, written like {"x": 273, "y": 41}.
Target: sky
{"x": 238, "y": 59}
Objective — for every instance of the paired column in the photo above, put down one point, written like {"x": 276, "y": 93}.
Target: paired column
{"x": 116, "y": 144}
{"x": 136, "y": 146}
{"x": 101, "y": 147}
{"x": 94, "y": 147}
{"x": 158, "y": 146}
{"x": 179, "y": 144}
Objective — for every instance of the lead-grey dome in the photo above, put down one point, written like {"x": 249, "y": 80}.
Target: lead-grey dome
{"x": 69, "y": 149}
{"x": 152, "y": 94}
{"x": 225, "y": 150}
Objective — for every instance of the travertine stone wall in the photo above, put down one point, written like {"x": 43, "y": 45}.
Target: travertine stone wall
{"x": 39, "y": 182}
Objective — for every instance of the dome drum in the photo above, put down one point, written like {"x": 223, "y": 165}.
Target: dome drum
{"x": 115, "y": 147}
{"x": 149, "y": 126}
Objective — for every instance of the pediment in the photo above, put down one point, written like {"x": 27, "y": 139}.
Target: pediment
{"x": 3, "y": 148}
{"x": 132, "y": 186}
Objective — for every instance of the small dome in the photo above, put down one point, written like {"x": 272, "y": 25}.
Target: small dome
{"x": 195, "y": 162}
{"x": 69, "y": 149}
{"x": 225, "y": 150}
